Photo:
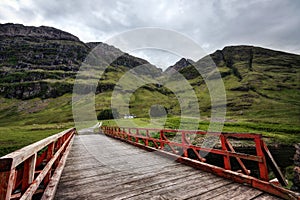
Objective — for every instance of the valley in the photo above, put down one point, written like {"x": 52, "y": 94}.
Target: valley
{"x": 38, "y": 67}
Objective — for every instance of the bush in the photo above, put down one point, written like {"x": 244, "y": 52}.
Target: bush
{"x": 108, "y": 114}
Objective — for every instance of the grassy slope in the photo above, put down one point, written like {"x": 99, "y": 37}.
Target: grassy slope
{"x": 39, "y": 118}
{"x": 271, "y": 107}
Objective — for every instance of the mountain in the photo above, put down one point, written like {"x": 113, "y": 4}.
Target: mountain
{"x": 259, "y": 82}
{"x": 182, "y": 63}
{"x": 38, "y": 66}
{"x": 43, "y": 61}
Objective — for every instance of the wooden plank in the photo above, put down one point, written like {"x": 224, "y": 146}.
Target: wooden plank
{"x": 216, "y": 192}
{"x": 115, "y": 184}
{"x": 85, "y": 174}
{"x": 110, "y": 182}
{"x": 144, "y": 186}
{"x": 124, "y": 163}
{"x": 185, "y": 191}
{"x": 173, "y": 188}
{"x": 241, "y": 192}
{"x": 266, "y": 197}
{"x": 200, "y": 188}
{"x": 248, "y": 194}
{"x": 83, "y": 166}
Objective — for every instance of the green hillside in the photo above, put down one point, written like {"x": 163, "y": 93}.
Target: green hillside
{"x": 38, "y": 67}
{"x": 262, "y": 85}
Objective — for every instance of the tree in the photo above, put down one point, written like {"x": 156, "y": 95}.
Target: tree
{"x": 108, "y": 114}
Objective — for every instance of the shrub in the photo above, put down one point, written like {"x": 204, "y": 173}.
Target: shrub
{"x": 108, "y": 114}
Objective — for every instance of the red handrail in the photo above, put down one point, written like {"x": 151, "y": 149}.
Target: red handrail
{"x": 180, "y": 147}
{"x": 23, "y": 172}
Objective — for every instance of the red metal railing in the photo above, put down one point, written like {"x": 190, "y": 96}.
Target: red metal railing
{"x": 34, "y": 169}
{"x": 182, "y": 144}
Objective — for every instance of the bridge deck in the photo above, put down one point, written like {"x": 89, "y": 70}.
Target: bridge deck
{"x": 99, "y": 167}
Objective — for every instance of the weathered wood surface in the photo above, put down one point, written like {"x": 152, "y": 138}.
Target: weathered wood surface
{"x": 99, "y": 167}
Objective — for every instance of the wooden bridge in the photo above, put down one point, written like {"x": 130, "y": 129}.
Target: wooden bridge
{"x": 132, "y": 163}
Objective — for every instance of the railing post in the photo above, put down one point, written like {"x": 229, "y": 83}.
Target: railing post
{"x": 136, "y": 138}
{"x": 224, "y": 148}
{"x": 128, "y": 135}
{"x": 263, "y": 169}
{"x": 28, "y": 172}
{"x": 49, "y": 155}
{"x": 57, "y": 146}
{"x": 183, "y": 141}
{"x": 162, "y": 145}
{"x": 7, "y": 177}
{"x": 147, "y": 135}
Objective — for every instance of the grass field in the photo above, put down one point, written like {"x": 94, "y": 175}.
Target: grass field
{"x": 17, "y": 135}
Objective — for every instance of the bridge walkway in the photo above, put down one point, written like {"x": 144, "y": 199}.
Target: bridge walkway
{"x": 100, "y": 167}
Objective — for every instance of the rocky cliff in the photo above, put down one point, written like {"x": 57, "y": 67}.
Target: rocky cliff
{"x": 42, "y": 61}
{"x": 19, "y": 30}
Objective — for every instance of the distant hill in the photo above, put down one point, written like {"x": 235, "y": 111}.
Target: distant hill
{"x": 259, "y": 82}
{"x": 38, "y": 66}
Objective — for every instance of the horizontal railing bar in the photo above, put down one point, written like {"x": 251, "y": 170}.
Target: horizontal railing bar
{"x": 226, "y": 134}
{"x": 243, "y": 135}
{"x": 211, "y": 150}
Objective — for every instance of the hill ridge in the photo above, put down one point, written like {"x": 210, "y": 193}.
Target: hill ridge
{"x": 13, "y": 30}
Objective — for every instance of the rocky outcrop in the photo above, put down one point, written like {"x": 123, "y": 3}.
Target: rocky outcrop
{"x": 182, "y": 63}
{"x": 19, "y": 30}
{"x": 43, "y": 61}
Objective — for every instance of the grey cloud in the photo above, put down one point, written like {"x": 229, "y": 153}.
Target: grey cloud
{"x": 212, "y": 24}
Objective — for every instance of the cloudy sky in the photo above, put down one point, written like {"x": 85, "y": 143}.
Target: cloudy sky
{"x": 212, "y": 24}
